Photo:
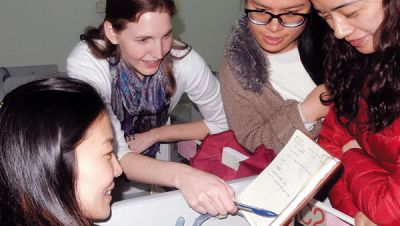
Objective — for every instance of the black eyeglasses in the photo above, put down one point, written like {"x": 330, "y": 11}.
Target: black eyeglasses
{"x": 289, "y": 19}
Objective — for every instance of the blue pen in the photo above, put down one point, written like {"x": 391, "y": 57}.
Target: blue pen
{"x": 258, "y": 211}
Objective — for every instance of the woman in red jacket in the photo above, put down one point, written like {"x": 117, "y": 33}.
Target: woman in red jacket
{"x": 363, "y": 125}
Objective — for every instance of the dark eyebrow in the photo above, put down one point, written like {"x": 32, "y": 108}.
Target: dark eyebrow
{"x": 169, "y": 32}
{"x": 339, "y": 6}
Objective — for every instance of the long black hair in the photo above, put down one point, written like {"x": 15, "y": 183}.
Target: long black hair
{"x": 310, "y": 45}
{"x": 374, "y": 77}
{"x": 42, "y": 123}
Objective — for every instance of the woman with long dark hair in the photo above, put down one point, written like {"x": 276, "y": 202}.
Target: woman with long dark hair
{"x": 363, "y": 126}
{"x": 141, "y": 72}
{"x": 271, "y": 78}
{"x": 56, "y": 158}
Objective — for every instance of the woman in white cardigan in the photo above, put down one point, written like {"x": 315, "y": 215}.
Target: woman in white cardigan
{"x": 132, "y": 60}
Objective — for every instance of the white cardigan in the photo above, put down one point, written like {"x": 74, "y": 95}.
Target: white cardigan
{"x": 192, "y": 77}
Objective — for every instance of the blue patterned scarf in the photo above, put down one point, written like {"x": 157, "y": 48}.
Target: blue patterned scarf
{"x": 140, "y": 105}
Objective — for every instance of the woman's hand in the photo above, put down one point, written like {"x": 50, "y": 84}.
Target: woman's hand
{"x": 167, "y": 133}
{"x": 361, "y": 220}
{"x": 312, "y": 107}
{"x": 349, "y": 145}
{"x": 140, "y": 142}
{"x": 206, "y": 193}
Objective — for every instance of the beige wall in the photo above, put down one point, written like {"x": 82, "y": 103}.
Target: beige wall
{"x": 206, "y": 25}
{"x": 44, "y": 31}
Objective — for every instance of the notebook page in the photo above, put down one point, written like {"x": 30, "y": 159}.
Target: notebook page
{"x": 300, "y": 162}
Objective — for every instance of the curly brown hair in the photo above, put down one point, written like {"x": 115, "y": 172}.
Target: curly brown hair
{"x": 375, "y": 77}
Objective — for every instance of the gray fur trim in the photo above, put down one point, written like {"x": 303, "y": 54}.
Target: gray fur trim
{"x": 246, "y": 58}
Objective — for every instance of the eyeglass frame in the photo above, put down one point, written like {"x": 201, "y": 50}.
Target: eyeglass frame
{"x": 277, "y": 16}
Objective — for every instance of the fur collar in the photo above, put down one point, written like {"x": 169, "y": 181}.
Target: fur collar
{"x": 245, "y": 58}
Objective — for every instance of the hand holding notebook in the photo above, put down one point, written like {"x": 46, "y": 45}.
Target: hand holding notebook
{"x": 289, "y": 181}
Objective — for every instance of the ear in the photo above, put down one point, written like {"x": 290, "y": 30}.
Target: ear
{"x": 110, "y": 33}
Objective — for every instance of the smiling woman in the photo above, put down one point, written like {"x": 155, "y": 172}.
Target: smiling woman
{"x": 271, "y": 77}
{"x": 362, "y": 127}
{"x": 141, "y": 72}
{"x": 96, "y": 166}
{"x": 350, "y": 20}
{"x": 52, "y": 155}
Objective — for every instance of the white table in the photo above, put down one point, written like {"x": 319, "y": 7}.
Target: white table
{"x": 164, "y": 209}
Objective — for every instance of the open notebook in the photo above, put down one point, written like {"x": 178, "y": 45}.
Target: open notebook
{"x": 289, "y": 181}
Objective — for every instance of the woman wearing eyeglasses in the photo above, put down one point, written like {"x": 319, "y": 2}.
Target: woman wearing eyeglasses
{"x": 271, "y": 75}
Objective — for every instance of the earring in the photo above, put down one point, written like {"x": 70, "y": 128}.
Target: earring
{"x": 130, "y": 137}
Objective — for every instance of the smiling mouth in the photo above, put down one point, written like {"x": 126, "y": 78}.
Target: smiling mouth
{"x": 152, "y": 64}
{"x": 109, "y": 190}
{"x": 357, "y": 42}
{"x": 273, "y": 40}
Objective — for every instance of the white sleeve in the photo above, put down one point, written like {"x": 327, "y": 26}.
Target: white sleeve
{"x": 309, "y": 125}
{"x": 202, "y": 87}
{"x": 81, "y": 64}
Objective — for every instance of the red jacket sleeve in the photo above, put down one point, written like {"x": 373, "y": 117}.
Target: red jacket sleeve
{"x": 332, "y": 138}
{"x": 374, "y": 190}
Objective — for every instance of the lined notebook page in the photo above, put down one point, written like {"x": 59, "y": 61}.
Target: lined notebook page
{"x": 289, "y": 181}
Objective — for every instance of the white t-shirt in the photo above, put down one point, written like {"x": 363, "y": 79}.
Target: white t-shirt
{"x": 192, "y": 76}
{"x": 289, "y": 77}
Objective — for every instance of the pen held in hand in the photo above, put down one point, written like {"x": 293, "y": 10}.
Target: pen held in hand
{"x": 255, "y": 210}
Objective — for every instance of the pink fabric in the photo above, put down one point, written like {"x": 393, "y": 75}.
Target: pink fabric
{"x": 332, "y": 220}
{"x": 187, "y": 149}
{"x": 209, "y": 155}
